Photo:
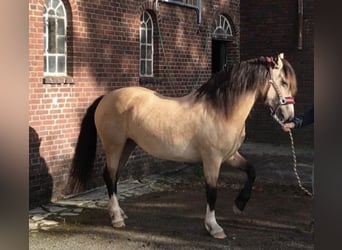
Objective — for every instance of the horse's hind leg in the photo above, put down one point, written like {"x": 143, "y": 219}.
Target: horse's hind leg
{"x": 115, "y": 161}
{"x": 211, "y": 171}
{"x": 240, "y": 162}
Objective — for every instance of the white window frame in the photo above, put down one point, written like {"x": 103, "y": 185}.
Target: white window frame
{"x": 193, "y": 3}
{"x": 146, "y": 27}
{"x": 49, "y": 7}
{"x": 223, "y": 28}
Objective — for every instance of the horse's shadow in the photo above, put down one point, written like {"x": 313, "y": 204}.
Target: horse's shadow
{"x": 40, "y": 181}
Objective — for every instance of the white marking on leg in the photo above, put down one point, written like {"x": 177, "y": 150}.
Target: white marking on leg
{"x": 211, "y": 225}
{"x": 115, "y": 212}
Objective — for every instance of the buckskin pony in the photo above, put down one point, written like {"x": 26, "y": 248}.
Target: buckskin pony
{"x": 207, "y": 126}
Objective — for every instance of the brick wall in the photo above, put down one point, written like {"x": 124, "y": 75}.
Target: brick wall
{"x": 269, "y": 27}
{"x": 103, "y": 54}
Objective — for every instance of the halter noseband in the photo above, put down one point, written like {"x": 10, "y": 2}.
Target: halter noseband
{"x": 282, "y": 100}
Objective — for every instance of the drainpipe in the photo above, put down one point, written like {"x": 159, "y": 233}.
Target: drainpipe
{"x": 156, "y": 3}
{"x": 300, "y": 25}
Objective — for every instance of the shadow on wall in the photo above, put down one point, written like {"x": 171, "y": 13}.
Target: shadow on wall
{"x": 40, "y": 181}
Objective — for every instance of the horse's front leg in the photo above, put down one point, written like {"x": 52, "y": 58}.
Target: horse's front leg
{"x": 240, "y": 162}
{"x": 211, "y": 171}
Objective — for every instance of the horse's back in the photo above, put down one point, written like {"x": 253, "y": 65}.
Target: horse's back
{"x": 140, "y": 100}
{"x": 161, "y": 125}
{"x": 114, "y": 108}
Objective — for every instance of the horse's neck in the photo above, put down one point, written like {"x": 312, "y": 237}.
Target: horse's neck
{"x": 243, "y": 107}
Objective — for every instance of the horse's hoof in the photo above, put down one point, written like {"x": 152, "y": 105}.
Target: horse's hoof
{"x": 118, "y": 224}
{"x": 219, "y": 235}
{"x": 236, "y": 210}
{"x": 216, "y": 235}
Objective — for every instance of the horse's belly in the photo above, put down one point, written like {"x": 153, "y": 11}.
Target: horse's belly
{"x": 172, "y": 151}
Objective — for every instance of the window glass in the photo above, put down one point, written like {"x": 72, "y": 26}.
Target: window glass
{"x": 61, "y": 64}
{"x": 148, "y": 52}
{"x": 143, "y": 35}
{"x": 55, "y": 3}
{"x": 149, "y": 36}
{"x": 60, "y": 11}
{"x": 61, "y": 45}
{"x": 61, "y": 28}
{"x": 52, "y": 63}
{"x": 149, "y": 68}
{"x": 51, "y": 35}
{"x": 143, "y": 52}
{"x": 142, "y": 67}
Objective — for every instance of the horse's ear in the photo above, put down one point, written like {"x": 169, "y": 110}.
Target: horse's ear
{"x": 279, "y": 61}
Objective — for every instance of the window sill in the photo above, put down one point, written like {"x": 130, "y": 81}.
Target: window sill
{"x": 144, "y": 80}
{"x": 58, "y": 80}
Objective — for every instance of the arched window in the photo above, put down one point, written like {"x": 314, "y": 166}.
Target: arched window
{"x": 55, "y": 47}
{"x": 146, "y": 45}
{"x": 223, "y": 28}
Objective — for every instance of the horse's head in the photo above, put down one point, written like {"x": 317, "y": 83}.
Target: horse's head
{"x": 282, "y": 86}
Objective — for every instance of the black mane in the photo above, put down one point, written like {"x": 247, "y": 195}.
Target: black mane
{"x": 224, "y": 87}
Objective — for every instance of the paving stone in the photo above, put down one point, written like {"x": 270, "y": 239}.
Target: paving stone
{"x": 77, "y": 210}
{"x": 102, "y": 203}
{"x": 33, "y": 226}
{"x": 37, "y": 210}
{"x": 38, "y": 217}
{"x": 69, "y": 214}
{"x": 125, "y": 195}
{"x": 54, "y": 209}
{"x": 71, "y": 202}
{"x": 91, "y": 205}
{"x": 48, "y": 223}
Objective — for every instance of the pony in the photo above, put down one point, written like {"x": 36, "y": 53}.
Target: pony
{"x": 206, "y": 126}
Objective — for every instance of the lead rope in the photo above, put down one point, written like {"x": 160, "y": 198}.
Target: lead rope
{"x": 295, "y": 166}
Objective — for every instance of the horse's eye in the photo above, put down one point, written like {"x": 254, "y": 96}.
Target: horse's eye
{"x": 284, "y": 84}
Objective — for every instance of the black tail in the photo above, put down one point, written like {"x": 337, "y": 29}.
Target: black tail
{"x": 85, "y": 151}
